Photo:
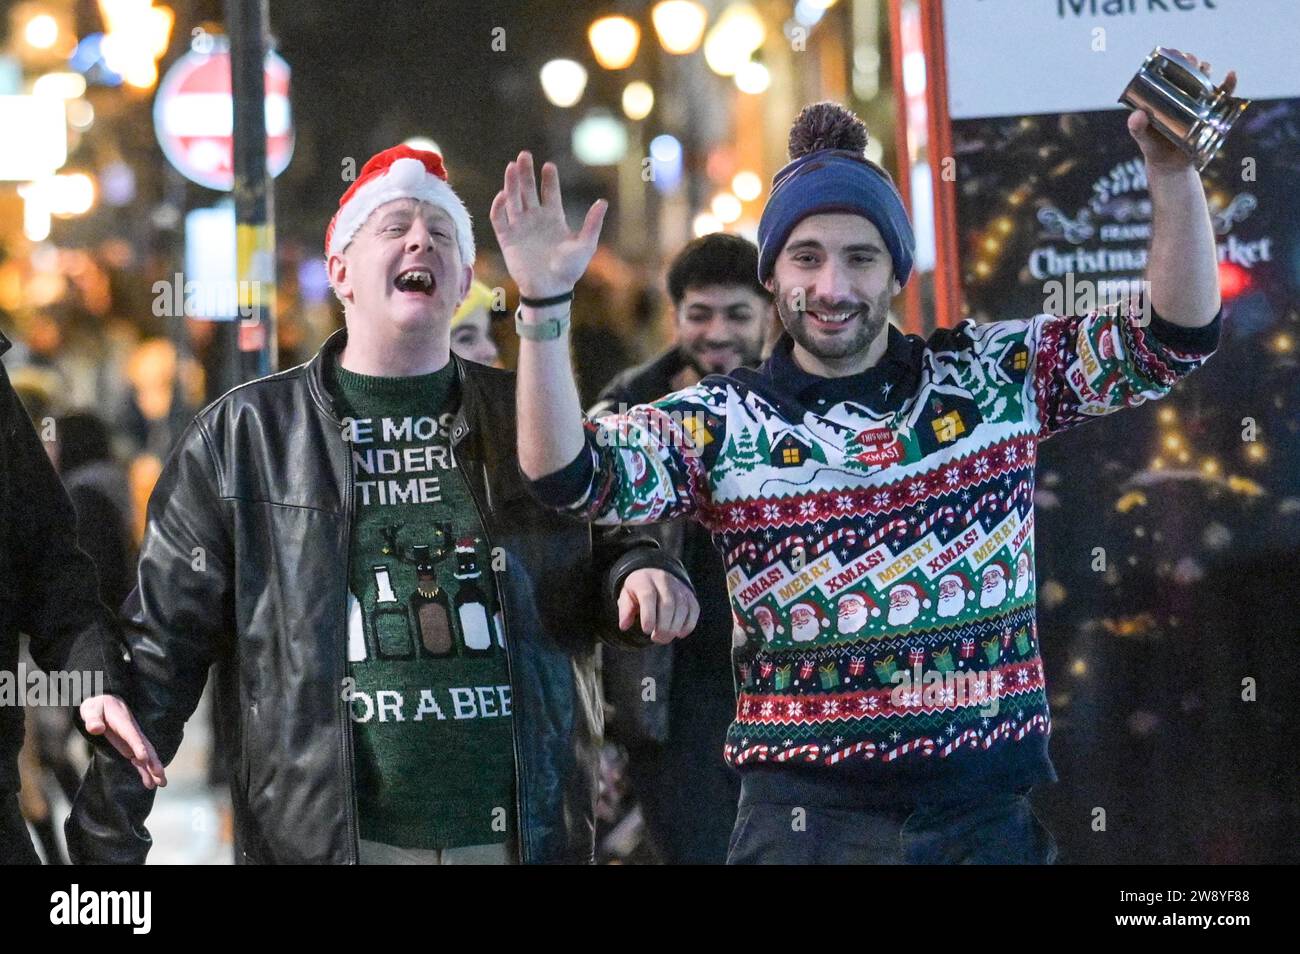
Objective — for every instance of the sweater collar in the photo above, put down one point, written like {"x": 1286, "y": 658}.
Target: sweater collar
{"x": 883, "y": 386}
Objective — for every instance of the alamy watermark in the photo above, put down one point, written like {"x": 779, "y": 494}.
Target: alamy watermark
{"x": 682, "y": 430}
{"x": 36, "y": 687}
{"x": 1084, "y": 296}
{"x": 914, "y": 688}
{"x": 176, "y": 298}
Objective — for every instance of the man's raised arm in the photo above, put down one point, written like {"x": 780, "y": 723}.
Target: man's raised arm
{"x": 1183, "y": 265}
{"x": 545, "y": 260}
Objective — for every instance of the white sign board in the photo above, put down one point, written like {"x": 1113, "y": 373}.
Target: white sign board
{"x": 1022, "y": 57}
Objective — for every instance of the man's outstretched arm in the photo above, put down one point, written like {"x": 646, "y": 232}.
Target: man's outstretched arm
{"x": 545, "y": 259}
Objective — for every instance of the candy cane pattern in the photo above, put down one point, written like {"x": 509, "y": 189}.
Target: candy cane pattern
{"x": 1004, "y": 729}
{"x": 746, "y": 549}
{"x": 970, "y": 735}
{"x": 949, "y": 514}
{"x": 1017, "y": 492}
{"x": 990, "y": 498}
{"x": 737, "y": 756}
{"x": 847, "y": 534}
{"x": 925, "y": 745}
{"x": 1037, "y": 722}
{"x": 779, "y": 549}
{"x": 898, "y": 526}
{"x": 809, "y": 753}
{"x": 854, "y": 749}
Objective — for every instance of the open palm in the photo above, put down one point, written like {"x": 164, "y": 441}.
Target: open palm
{"x": 542, "y": 255}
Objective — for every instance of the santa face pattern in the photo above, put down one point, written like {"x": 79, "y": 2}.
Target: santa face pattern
{"x": 853, "y": 614}
{"x": 1024, "y": 573}
{"x": 952, "y": 596}
{"x": 994, "y": 589}
{"x": 912, "y": 489}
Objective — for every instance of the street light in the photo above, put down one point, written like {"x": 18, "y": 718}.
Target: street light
{"x": 638, "y": 100}
{"x": 747, "y": 185}
{"x": 599, "y": 140}
{"x": 614, "y": 41}
{"x": 563, "y": 82}
{"x": 705, "y": 223}
{"x": 733, "y": 39}
{"x": 753, "y": 78}
{"x": 679, "y": 24}
{"x": 42, "y": 31}
{"x": 726, "y": 207}
{"x": 423, "y": 143}
{"x": 138, "y": 35}
{"x": 60, "y": 85}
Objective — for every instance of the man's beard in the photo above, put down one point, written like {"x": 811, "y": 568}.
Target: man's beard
{"x": 745, "y": 358}
{"x": 870, "y": 319}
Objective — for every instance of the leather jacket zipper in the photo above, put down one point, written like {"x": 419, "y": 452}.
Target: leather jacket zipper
{"x": 459, "y": 430}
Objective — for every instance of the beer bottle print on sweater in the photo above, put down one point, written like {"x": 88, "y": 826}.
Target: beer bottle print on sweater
{"x": 389, "y": 627}
{"x": 430, "y": 608}
{"x": 471, "y": 603}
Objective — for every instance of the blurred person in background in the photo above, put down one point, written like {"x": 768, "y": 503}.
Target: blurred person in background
{"x": 96, "y": 485}
{"x": 688, "y": 795}
{"x": 49, "y": 592}
{"x": 471, "y": 327}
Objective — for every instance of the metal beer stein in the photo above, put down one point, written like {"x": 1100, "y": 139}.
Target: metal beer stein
{"x": 1183, "y": 104}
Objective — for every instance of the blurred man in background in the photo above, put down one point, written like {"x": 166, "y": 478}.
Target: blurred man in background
{"x": 674, "y": 739}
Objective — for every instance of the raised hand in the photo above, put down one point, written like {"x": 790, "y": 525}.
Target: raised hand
{"x": 1162, "y": 155}
{"x": 542, "y": 255}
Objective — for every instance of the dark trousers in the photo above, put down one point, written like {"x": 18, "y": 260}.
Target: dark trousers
{"x": 15, "y": 844}
{"x": 999, "y": 829}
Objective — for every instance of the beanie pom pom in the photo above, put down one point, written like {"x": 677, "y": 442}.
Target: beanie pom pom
{"x": 827, "y": 126}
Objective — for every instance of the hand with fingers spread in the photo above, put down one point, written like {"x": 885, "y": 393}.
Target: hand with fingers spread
{"x": 1160, "y": 153}
{"x": 109, "y": 716}
{"x": 665, "y": 606}
{"x": 542, "y": 255}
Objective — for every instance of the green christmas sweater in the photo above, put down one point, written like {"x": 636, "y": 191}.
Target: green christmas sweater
{"x": 429, "y": 690}
{"x": 878, "y": 534}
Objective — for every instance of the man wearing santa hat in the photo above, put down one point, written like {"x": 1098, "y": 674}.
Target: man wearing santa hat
{"x": 964, "y": 410}
{"x": 406, "y": 640}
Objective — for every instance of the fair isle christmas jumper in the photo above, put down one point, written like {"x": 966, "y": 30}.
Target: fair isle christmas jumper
{"x": 878, "y": 536}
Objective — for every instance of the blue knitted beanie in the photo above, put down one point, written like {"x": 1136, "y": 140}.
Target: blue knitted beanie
{"x": 829, "y": 172}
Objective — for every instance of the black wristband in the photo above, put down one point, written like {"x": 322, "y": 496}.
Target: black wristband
{"x": 543, "y": 302}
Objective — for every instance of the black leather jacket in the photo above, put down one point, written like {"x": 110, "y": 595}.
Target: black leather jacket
{"x": 245, "y": 563}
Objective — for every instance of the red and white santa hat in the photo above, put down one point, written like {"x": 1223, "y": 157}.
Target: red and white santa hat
{"x": 399, "y": 173}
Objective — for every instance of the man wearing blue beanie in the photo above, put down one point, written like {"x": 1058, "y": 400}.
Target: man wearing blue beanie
{"x": 872, "y": 496}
